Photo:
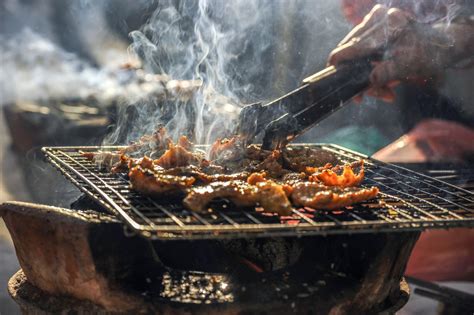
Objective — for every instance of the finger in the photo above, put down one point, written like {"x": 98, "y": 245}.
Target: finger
{"x": 388, "y": 95}
{"x": 383, "y": 93}
{"x": 372, "y": 40}
{"x": 393, "y": 84}
{"x": 349, "y": 51}
{"x": 375, "y": 15}
{"x": 397, "y": 20}
{"x": 386, "y": 30}
{"x": 357, "y": 48}
{"x": 371, "y": 37}
{"x": 386, "y": 71}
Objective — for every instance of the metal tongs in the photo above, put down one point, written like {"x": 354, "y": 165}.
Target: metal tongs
{"x": 281, "y": 120}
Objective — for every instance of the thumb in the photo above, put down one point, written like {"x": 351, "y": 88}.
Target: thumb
{"x": 385, "y": 72}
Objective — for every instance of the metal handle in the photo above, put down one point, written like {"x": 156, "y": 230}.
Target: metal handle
{"x": 320, "y": 95}
{"x": 343, "y": 81}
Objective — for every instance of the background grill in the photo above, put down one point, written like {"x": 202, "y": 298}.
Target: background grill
{"x": 408, "y": 201}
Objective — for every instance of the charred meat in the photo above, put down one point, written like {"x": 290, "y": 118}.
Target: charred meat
{"x": 275, "y": 181}
{"x": 318, "y": 196}
{"x": 148, "y": 180}
{"x": 348, "y": 178}
{"x": 266, "y": 194}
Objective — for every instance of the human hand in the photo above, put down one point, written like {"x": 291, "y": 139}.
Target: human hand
{"x": 411, "y": 51}
{"x": 431, "y": 140}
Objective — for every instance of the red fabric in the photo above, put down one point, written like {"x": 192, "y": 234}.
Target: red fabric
{"x": 438, "y": 255}
{"x": 443, "y": 256}
{"x": 431, "y": 140}
{"x": 355, "y": 10}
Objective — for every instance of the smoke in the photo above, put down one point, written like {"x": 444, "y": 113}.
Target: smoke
{"x": 33, "y": 68}
{"x": 428, "y": 11}
{"x": 241, "y": 51}
{"x": 36, "y": 69}
{"x": 208, "y": 40}
{"x": 216, "y": 43}
{"x": 202, "y": 60}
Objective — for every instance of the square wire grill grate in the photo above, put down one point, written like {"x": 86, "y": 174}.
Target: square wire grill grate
{"x": 408, "y": 201}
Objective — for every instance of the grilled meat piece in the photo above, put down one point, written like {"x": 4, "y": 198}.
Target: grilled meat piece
{"x": 328, "y": 166}
{"x": 202, "y": 177}
{"x": 269, "y": 195}
{"x": 318, "y": 196}
{"x": 299, "y": 158}
{"x": 184, "y": 142}
{"x": 272, "y": 197}
{"x": 239, "y": 192}
{"x": 293, "y": 178}
{"x": 227, "y": 149}
{"x": 348, "y": 178}
{"x": 146, "y": 172}
{"x": 121, "y": 166}
{"x": 272, "y": 165}
{"x": 227, "y": 177}
{"x": 152, "y": 183}
{"x": 245, "y": 176}
{"x": 150, "y": 145}
{"x": 255, "y": 178}
{"x": 103, "y": 159}
{"x": 212, "y": 169}
{"x": 177, "y": 156}
{"x": 254, "y": 152}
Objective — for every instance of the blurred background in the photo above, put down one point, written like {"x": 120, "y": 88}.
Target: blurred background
{"x": 93, "y": 72}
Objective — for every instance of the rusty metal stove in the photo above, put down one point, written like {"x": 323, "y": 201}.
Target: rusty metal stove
{"x": 86, "y": 255}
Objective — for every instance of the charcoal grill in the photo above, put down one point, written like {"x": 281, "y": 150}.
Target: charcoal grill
{"x": 409, "y": 201}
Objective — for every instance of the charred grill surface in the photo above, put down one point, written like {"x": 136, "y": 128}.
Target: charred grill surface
{"x": 407, "y": 201}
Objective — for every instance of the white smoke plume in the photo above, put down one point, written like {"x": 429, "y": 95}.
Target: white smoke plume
{"x": 228, "y": 53}
{"x": 242, "y": 52}
{"x": 36, "y": 69}
{"x": 217, "y": 43}
{"x": 33, "y": 68}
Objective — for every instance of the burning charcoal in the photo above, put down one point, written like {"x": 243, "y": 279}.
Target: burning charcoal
{"x": 268, "y": 254}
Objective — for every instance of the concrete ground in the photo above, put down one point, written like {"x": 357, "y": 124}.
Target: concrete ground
{"x": 8, "y": 266}
{"x": 11, "y": 188}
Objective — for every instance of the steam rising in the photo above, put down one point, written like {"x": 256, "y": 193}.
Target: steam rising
{"x": 201, "y": 60}
{"x": 36, "y": 69}
{"x": 217, "y": 43}
{"x": 428, "y": 11}
{"x": 33, "y": 68}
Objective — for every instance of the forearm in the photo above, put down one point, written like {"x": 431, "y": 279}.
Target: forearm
{"x": 412, "y": 49}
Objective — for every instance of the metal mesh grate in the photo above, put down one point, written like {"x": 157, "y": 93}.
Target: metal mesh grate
{"x": 408, "y": 201}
